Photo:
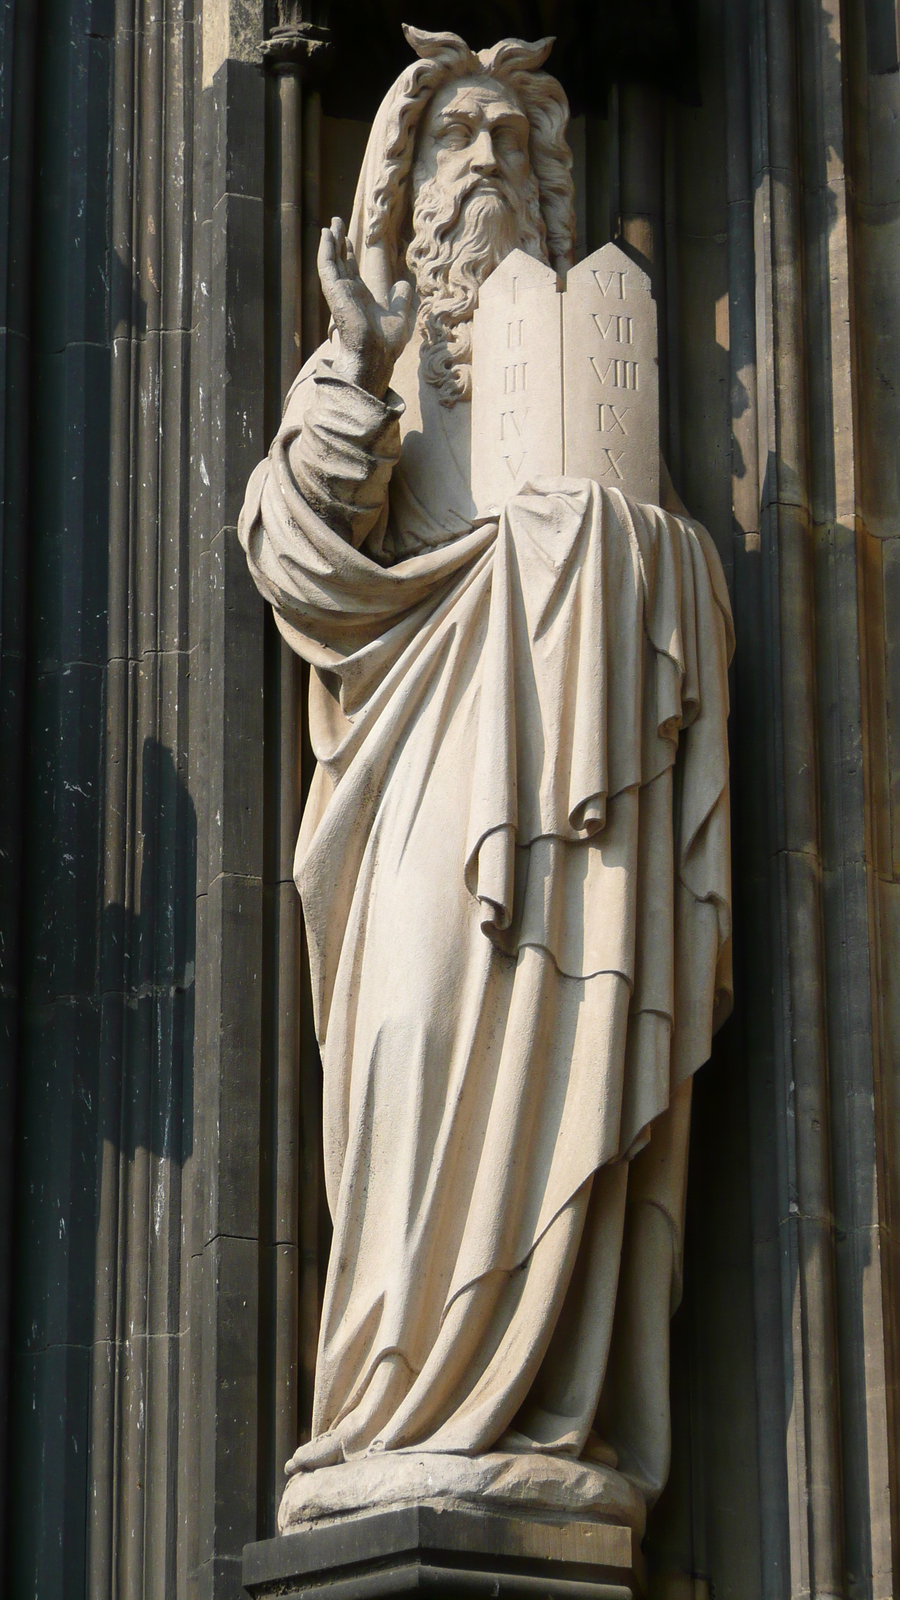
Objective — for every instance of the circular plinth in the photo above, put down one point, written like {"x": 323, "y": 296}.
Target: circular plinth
{"x": 544, "y": 1485}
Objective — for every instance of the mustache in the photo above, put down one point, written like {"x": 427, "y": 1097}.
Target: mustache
{"x": 480, "y": 180}
{"x": 442, "y": 209}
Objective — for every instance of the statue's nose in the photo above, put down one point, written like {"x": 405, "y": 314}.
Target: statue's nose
{"x": 483, "y": 159}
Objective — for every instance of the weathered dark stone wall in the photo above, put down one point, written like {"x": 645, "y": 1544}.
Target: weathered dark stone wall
{"x": 17, "y": 56}
{"x": 59, "y": 452}
{"x": 163, "y": 1232}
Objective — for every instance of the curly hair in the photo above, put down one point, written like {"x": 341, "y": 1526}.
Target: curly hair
{"x": 444, "y": 57}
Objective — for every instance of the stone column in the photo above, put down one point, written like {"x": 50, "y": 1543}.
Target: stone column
{"x": 294, "y": 55}
{"x": 219, "y": 1473}
{"x": 58, "y": 427}
{"x": 147, "y": 924}
{"x": 18, "y": 42}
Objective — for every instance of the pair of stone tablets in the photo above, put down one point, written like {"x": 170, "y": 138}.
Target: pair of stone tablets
{"x": 565, "y": 379}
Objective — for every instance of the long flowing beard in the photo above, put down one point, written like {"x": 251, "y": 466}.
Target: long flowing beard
{"x": 459, "y": 237}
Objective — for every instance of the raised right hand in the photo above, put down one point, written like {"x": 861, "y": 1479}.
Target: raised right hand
{"x": 371, "y": 335}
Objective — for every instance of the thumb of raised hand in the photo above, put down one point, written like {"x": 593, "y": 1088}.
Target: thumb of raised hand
{"x": 400, "y": 303}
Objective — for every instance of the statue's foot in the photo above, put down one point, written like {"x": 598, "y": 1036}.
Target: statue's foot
{"x": 596, "y": 1450}
{"x": 539, "y": 1485}
{"x": 322, "y": 1452}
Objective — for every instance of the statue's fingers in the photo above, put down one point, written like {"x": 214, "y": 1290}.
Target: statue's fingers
{"x": 360, "y": 289}
{"x": 352, "y": 265}
{"x": 345, "y": 294}
{"x": 401, "y": 299}
{"x": 400, "y": 306}
{"x": 340, "y": 237}
{"x": 349, "y": 317}
{"x": 329, "y": 275}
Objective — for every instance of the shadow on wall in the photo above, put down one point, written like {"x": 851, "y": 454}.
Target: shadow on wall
{"x": 760, "y": 1169}
{"x": 105, "y": 1125}
{"x": 148, "y": 954}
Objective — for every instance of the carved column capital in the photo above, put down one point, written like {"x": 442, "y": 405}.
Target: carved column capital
{"x": 298, "y": 43}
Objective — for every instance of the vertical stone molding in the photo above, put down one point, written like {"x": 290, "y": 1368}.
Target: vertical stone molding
{"x": 228, "y": 404}
{"x": 147, "y": 938}
{"x": 57, "y": 434}
{"x": 18, "y": 31}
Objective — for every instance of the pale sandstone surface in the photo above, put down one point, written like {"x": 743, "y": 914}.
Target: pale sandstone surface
{"x": 611, "y": 378}
{"x": 514, "y": 860}
{"x": 517, "y": 397}
{"x": 543, "y": 1484}
{"x": 565, "y": 378}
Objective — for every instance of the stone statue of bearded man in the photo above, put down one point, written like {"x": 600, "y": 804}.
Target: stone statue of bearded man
{"x": 514, "y": 859}
{"x": 467, "y": 161}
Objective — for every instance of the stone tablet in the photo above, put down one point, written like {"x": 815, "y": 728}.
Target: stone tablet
{"x": 516, "y": 380}
{"x": 565, "y": 384}
{"x": 610, "y": 375}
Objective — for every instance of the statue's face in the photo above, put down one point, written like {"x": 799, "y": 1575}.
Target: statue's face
{"x": 474, "y": 134}
{"x": 474, "y": 199}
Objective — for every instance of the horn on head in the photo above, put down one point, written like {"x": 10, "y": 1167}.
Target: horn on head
{"x": 516, "y": 55}
{"x": 432, "y": 46}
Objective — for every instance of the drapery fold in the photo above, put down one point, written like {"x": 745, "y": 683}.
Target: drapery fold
{"x": 514, "y": 867}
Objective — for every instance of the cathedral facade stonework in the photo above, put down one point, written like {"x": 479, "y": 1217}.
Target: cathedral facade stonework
{"x": 449, "y": 921}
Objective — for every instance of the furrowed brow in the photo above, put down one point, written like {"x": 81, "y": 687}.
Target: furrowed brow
{"x": 451, "y": 114}
{"x": 506, "y": 116}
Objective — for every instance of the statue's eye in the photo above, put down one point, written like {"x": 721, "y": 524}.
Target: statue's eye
{"x": 507, "y": 138}
{"x": 456, "y": 135}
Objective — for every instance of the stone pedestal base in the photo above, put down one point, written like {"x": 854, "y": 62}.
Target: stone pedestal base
{"x": 543, "y": 1486}
{"x": 450, "y": 1553}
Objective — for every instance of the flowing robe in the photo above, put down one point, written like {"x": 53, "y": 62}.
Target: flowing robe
{"x": 514, "y": 869}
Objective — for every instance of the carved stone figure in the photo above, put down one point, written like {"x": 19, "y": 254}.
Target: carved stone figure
{"x": 514, "y": 859}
